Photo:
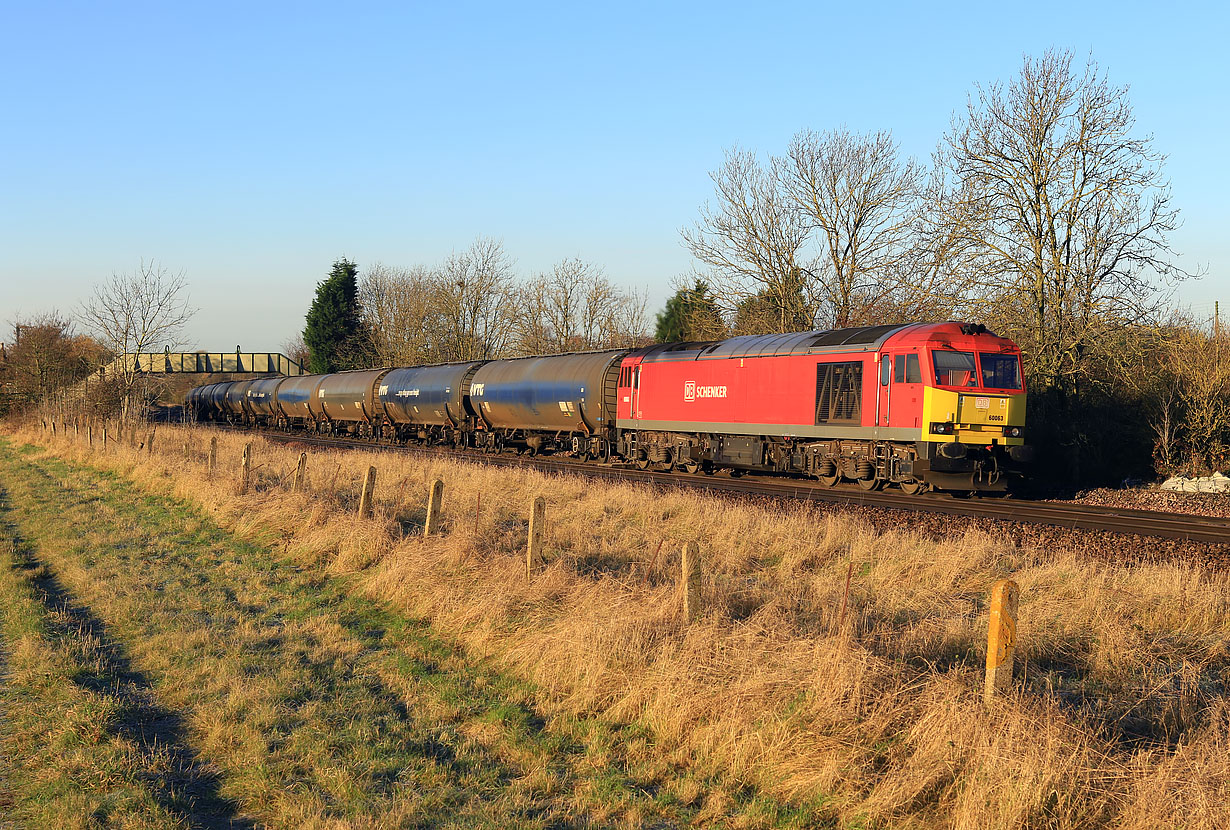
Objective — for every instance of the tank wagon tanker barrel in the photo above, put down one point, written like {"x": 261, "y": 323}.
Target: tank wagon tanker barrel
{"x": 918, "y": 406}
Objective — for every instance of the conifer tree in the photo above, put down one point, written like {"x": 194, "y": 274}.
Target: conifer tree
{"x": 334, "y": 333}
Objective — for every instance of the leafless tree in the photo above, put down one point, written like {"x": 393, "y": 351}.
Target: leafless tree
{"x": 142, "y": 311}
{"x": 297, "y": 350}
{"x": 751, "y": 240}
{"x": 859, "y": 202}
{"x": 476, "y": 302}
{"x": 1057, "y": 214}
{"x": 401, "y": 307}
{"x": 575, "y": 307}
{"x": 46, "y": 357}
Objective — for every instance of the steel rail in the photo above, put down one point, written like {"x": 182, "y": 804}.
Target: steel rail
{"x": 1151, "y": 523}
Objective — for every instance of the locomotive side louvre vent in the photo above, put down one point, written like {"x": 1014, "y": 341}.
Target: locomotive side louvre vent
{"x": 839, "y": 392}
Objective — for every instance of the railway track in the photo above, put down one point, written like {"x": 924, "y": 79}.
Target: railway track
{"x": 1149, "y": 523}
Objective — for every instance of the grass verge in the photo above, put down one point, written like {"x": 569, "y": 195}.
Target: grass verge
{"x": 182, "y": 677}
{"x": 865, "y": 717}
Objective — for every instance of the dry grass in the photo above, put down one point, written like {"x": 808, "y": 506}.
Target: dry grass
{"x": 1119, "y": 718}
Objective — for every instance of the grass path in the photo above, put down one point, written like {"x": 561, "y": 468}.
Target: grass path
{"x": 211, "y": 684}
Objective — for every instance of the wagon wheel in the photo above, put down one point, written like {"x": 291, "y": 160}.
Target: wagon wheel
{"x": 869, "y": 484}
{"x": 912, "y": 487}
{"x": 690, "y": 467}
{"x": 829, "y": 481}
{"x": 642, "y": 460}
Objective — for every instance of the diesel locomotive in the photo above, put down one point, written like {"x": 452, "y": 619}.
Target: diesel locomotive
{"x": 918, "y": 406}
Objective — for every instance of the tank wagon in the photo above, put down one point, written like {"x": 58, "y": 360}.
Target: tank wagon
{"x": 919, "y": 406}
{"x": 428, "y": 403}
{"x": 555, "y": 403}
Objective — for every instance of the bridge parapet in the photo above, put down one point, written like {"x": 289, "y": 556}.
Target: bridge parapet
{"x": 256, "y": 363}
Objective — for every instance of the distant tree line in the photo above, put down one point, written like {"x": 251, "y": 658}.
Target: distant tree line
{"x": 471, "y": 306}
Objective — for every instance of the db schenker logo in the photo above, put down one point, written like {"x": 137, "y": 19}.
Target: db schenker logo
{"x": 691, "y": 391}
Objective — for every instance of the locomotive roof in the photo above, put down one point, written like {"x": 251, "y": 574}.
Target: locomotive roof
{"x": 862, "y": 338}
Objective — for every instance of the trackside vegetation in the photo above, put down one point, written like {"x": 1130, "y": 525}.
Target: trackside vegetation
{"x": 830, "y": 676}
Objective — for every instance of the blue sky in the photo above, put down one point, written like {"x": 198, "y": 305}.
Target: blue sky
{"x": 251, "y": 144}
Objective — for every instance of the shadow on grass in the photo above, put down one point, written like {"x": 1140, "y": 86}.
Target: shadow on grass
{"x": 187, "y": 788}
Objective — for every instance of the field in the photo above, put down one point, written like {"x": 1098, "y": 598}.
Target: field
{"x": 178, "y": 654}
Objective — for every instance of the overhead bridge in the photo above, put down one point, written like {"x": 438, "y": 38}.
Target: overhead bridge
{"x": 255, "y": 363}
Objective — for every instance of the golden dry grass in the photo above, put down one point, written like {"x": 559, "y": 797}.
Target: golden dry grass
{"x": 1119, "y": 718}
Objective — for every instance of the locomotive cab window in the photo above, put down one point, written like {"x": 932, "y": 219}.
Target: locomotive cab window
{"x": 839, "y": 393}
{"x": 906, "y": 369}
{"x": 954, "y": 368}
{"x": 1000, "y": 371}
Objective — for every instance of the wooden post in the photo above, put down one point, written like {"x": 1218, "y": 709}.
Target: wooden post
{"x": 300, "y": 474}
{"x": 187, "y": 450}
{"x": 104, "y": 435}
{"x": 689, "y": 581}
{"x": 533, "y": 551}
{"x": 245, "y": 469}
{"x": 434, "y": 500}
{"x": 149, "y": 442}
{"x": 89, "y": 434}
{"x": 53, "y": 426}
{"x": 1001, "y": 638}
{"x": 212, "y": 464}
{"x": 369, "y": 493}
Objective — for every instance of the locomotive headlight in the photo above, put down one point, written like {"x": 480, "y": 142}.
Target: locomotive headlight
{"x": 941, "y": 428}
{"x": 1013, "y": 432}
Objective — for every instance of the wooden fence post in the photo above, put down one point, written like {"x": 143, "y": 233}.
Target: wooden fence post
{"x": 149, "y": 442}
{"x": 212, "y": 464}
{"x": 300, "y": 474}
{"x": 1001, "y": 638}
{"x": 434, "y": 500}
{"x": 104, "y": 435}
{"x": 533, "y": 551}
{"x": 89, "y": 434}
{"x": 369, "y": 493}
{"x": 245, "y": 470}
{"x": 689, "y": 581}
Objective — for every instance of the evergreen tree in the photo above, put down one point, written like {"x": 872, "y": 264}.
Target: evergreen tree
{"x": 335, "y": 334}
{"x": 691, "y": 314}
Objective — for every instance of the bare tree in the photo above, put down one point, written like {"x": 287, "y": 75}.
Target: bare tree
{"x": 297, "y": 350}
{"x": 402, "y": 309}
{"x": 142, "y": 311}
{"x": 751, "y": 240}
{"x": 860, "y": 201}
{"x": 575, "y": 307}
{"x": 475, "y": 302}
{"x": 47, "y": 356}
{"x": 1058, "y": 215}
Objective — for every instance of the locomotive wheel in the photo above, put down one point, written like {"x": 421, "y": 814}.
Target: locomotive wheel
{"x": 829, "y": 481}
{"x": 869, "y": 484}
{"x": 690, "y": 467}
{"x": 912, "y": 487}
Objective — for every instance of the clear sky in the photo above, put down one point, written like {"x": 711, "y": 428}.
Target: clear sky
{"x": 251, "y": 144}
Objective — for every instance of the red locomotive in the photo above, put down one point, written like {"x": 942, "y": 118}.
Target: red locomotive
{"x": 924, "y": 405}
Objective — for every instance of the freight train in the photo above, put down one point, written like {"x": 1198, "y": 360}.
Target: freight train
{"x": 920, "y": 406}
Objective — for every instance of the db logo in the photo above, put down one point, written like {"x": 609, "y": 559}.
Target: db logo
{"x": 689, "y": 390}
